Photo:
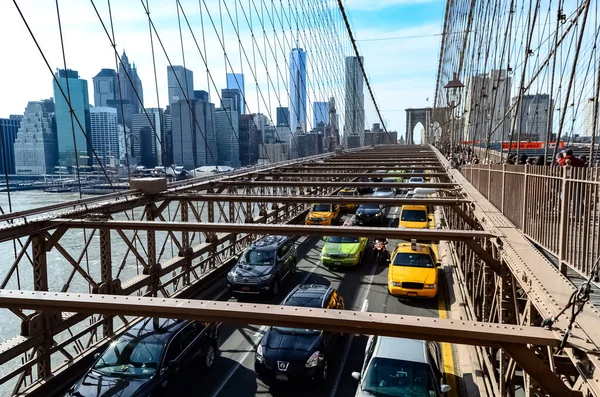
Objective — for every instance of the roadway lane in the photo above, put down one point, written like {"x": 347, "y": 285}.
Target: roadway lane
{"x": 364, "y": 288}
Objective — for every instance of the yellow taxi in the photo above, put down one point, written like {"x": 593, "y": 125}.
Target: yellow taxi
{"x": 413, "y": 271}
{"x": 322, "y": 214}
{"x": 414, "y": 217}
{"x": 345, "y": 193}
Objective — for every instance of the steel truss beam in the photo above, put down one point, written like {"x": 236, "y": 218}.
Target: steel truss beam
{"x": 338, "y": 174}
{"x": 333, "y": 184}
{"x": 287, "y": 230}
{"x": 318, "y": 199}
{"x": 435, "y": 329}
{"x": 325, "y": 167}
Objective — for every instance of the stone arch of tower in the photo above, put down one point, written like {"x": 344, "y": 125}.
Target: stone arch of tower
{"x": 428, "y": 117}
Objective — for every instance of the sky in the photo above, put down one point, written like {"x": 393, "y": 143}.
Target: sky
{"x": 401, "y": 71}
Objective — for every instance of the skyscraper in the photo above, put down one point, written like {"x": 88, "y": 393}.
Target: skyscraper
{"x": 106, "y": 88}
{"x": 297, "y": 88}
{"x": 180, "y": 83}
{"x": 250, "y": 139}
{"x": 8, "y": 133}
{"x": 283, "y": 116}
{"x": 193, "y": 134}
{"x": 227, "y": 132}
{"x": 80, "y": 127}
{"x": 236, "y": 98}
{"x": 355, "y": 100}
{"x": 131, "y": 89}
{"x": 235, "y": 81}
{"x": 35, "y": 146}
{"x": 532, "y": 116}
{"x": 104, "y": 128}
{"x": 148, "y": 137}
{"x": 320, "y": 115}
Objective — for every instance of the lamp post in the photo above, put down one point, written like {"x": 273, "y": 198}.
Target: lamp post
{"x": 453, "y": 97}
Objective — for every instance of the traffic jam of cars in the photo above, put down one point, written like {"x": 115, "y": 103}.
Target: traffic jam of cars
{"x": 152, "y": 354}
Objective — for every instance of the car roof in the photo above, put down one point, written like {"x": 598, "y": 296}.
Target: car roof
{"x": 308, "y": 295}
{"x": 419, "y": 248}
{"x": 414, "y": 207}
{"x": 161, "y": 328}
{"x": 269, "y": 241}
{"x": 401, "y": 349}
{"x": 415, "y": 178}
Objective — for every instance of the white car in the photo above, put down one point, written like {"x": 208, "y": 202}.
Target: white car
{"x": 400, "y": 367}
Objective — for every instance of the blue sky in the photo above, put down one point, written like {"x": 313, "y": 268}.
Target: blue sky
{"x": 402, "y": 72}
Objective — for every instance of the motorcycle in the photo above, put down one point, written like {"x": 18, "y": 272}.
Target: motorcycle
{"x": 381, "y": 254}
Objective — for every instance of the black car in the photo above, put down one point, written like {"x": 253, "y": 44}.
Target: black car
{"x": 365, "y": 189}
{"x": 263, "y": 266}
{"x": 149, "y": 358}
{"x": 382, "y": 172}
{"x": 291, "y": 354}
{"x": 369, "y": 215}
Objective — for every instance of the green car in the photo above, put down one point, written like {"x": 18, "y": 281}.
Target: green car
{"x": 399, "y": 178}
{"x": 343, "y": 251}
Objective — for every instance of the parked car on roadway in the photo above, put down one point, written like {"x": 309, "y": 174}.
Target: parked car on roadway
{"x": 369, "y": 214}
{"x": 323, "y": 214}
{"x": 413, "y": 271}
{"x": 343, "y": 251}
{"x": 288, "y": 354}
{"x": 149, "y": 358}
{"x": 400, "y": 367}
{"x": 262, "y": 267}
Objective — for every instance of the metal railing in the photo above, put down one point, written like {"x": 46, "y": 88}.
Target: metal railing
{"x": 555, "y": 207}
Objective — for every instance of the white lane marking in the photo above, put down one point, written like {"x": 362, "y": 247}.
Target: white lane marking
{"x": 348, "y": 345}
{"x": 255, "y": 341}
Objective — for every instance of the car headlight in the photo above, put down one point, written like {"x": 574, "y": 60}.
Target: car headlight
{"x": 314, "y": 359}
{"x": 395, "y": 284}
{"x": 378, "y": 214}
{"x": 259, "y": 354}
{"x": 265, "y": 278}
{"x": 355, "y": 255}
{"x": 430, "y": 286}
{"x": 230, "y": 277}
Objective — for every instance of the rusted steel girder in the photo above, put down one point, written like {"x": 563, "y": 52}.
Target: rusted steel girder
{"x": 335, "y": 184}
{"x": 288, "y": 230}
{"x": 325, "y": 167}
{"x": 338, "y": 174}
{"x": 434, "y": 329}
{"x": 318, "y": 199}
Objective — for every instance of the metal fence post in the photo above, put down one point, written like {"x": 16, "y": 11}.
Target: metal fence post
{"x": 524, "y": 201}
{"x": 489, "y": 185}
{"x": 564, "y": 218}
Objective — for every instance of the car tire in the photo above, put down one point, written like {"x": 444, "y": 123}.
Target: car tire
{"x": 275, "y": 287}
{"x": 324, "y": 372}
{"x": 209, "y": 357}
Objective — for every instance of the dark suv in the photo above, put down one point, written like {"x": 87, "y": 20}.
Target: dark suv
{"x": 288, "y": 354}
{"x": 370, "y": 215}
{"x": 149, "y": 357}
{"x": 262, "y": 267}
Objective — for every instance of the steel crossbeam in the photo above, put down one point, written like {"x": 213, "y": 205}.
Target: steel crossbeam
{"x": 277, "y": 229}
{"x": 335, "y": 184}
{"x": 433, "y": 201}
{"x": 435, "y": 329}
{"x": 338, "y": 174}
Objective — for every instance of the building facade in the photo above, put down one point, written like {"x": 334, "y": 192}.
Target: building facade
{"x": 354, "y": 123}
{"x": 235, "y": 97}
{"x": 72, "y": 131}
{"x": 588, "y": 119}
{"x": 235, "y": 81}
{"x": 36, "y": 144}
{"x": 104, "y": 128}
{"x": 147, "y": 138}
{"x": 180, "y": 84}
{"x": 131, "y": 98}
{"x": 532, "y": 117}
{"x": 193, "y": 134}
{"x": 8, "y": 133}
{"x": 320, "y": 115}
{"x": 227, "y": 132}
{"x": 283, "y": 116}
{"x": 297, "y": 89}
{"x": 250, "y": 139}
{"x": 106, "y": 88}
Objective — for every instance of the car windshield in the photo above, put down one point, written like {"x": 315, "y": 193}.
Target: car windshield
{"x": 387, "y": 377}
{"x": 341, "y": 240}
{"x": 384, "y": 190}
{"x": 369, "y": 206}
{"x": 135, "y": 357}
{"x": 415, "y": 179}
{"x": 321, "y": 207}
{"x": 413, "y": 260}
{"x": 342, "y": 193}
{"x": 414, "y": 216}
{"x": 389, "y": 179}
{"x": 258, "y": 257}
